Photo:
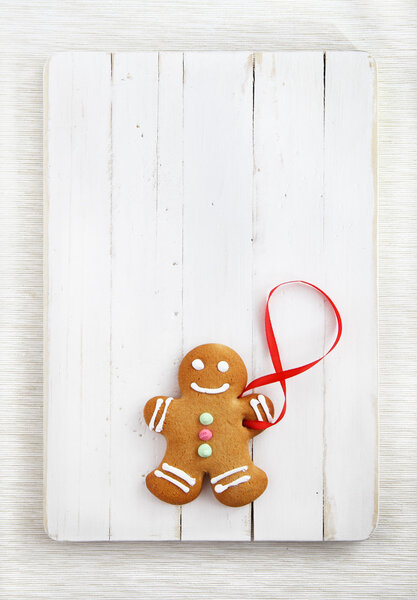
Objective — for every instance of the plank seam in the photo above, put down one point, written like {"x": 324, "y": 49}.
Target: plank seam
{"x": 182, "y": 245}
{"x": 111, "y": 292}
{"x": 157, "y": 145}
{"x": 323, "y": 489}
{"x": 252, "y": 508}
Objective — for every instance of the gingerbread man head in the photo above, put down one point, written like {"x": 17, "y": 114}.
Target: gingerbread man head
{"x": 212, "y": 369}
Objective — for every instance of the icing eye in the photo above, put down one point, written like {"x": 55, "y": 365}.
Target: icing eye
{"x": 197, "y": 364}
{"x": 223, "y": 366}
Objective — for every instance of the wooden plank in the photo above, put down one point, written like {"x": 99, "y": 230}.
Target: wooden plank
{"x": 147, "y": 280}
{"x": 218, "y": 163}
{"x": 288, "y": 244}
{"x": 78, "y": 352}
{"x": 349, "y": 236}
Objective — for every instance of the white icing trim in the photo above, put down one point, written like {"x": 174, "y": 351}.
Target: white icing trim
{"x": 183, "y": 487}
{"x": 180, "y": 473}
{"x": 254, "y": 404}
{"x": 262, "y": 401}
{"x": 219, "y": 488}
{"x": 158, "y": 405}
{"x": 160, "y": 425}
{"x": 197, "y": 364}
{"x": 202, "y": 390}
{"x": 227, "y": 473}
{"x": 264, "y": 405}
{"x": 223, "y": 366}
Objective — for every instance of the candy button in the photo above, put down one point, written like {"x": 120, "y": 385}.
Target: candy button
{"x": 204, "y": 450}
{"x": 206, "y": 419}
{"x": 205, "y": 435}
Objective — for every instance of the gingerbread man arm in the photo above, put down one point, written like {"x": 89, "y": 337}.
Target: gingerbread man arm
{"x": 258, "y": 407}
{"x": 155, "y": 412}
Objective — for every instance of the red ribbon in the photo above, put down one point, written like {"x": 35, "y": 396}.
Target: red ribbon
{"x": 281, "y": 375}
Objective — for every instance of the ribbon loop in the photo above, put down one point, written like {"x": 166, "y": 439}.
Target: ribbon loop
{"x": 280, "y": 375}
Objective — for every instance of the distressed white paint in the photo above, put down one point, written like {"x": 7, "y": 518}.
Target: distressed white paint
{"x": 288, "y": 244}
{"x": 217, "y": 233}
{"x": 207, "y": 211}
{"x": 146, "y": 280}
{"x": 79, "y": 217}
{"x": 350, "y": 228}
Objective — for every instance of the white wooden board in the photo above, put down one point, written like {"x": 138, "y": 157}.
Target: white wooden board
{"x": 179, "y": 189}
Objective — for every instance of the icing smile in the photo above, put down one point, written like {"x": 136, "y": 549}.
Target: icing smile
{"x": 202, "y": 390}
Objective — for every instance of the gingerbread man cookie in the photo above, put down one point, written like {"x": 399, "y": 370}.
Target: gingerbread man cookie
{"x": 205, "y": 433}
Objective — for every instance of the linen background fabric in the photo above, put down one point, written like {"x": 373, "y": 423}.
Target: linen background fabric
{"x": 34, "y": 566}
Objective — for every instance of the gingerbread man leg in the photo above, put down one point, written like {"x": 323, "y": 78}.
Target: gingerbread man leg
{"x": 172, "y": 484}
{"x": 238, "y": 485}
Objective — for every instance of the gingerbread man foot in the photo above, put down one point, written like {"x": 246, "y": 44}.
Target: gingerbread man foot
{"x": 239, "y": 486}
{"x": 174, "y": 485}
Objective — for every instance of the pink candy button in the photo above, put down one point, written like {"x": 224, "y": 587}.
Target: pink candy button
{"x": 205, "y": 434}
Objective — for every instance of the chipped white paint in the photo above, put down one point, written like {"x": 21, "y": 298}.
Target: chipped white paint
{"x": 217, "y": 231}
{"x": 173, "y": 207}
{"x": 146, "y": 277}
{"x": 79, "y": 222}
{"x": 288, "y": 128}
{"x": 351, "y": 492}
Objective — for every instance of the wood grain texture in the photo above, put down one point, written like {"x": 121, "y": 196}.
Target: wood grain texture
{"x": 147, "y": 285}
{"x": 33, "y": 566}
{"x": 249, "y": 197}
{"x": 351, "y": 453}
{"x": 288, "y": 244}
{"x": 78, "y": 296}
{"x": 217, "y": 237}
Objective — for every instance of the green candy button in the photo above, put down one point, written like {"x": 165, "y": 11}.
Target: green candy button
{"x": 206, "y": 419}
{"x": 204, "y": 450}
